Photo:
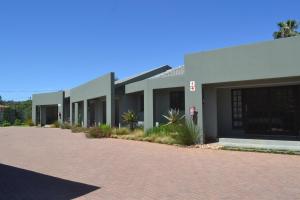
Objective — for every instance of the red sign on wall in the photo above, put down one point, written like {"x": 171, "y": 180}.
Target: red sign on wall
{"x": 192, "y": 86}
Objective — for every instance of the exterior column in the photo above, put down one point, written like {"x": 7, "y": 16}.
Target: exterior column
{"x": 34, "y": 114}
{"x": 200, "y": 116}
{"x": 76, "y": 114}
{"x": 210, "y": 112}
{"x": 195, "y": 99}
{"x": 110, "y": 110}
{"x": 85, "y": 113}
{"x": 110, "y": 102}
{"x": 148, "y": 109}
{"x": 40, "y": 116}
{"x": 71, "y": 113}
{"x": 61, "y": 111}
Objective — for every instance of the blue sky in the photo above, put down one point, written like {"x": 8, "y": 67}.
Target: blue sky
{"x": 57, "y": 44}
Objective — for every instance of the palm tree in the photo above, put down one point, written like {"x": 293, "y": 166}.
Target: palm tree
{"x": 286, "y": 29}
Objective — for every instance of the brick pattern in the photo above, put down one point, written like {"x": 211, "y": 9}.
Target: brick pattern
{"x": 145, "y": 171}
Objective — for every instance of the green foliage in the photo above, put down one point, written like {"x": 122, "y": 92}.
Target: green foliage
{"x": 164, "y": 129}
{"x": 18, "y": 122}
{"x": 173, "y": 117}
{"x": 6, "y": 123}
{"x": 130, "y": 118}
{"x": 185, "y": 133}
{"x": 105, "y": 129}
{"x": 17, "y": 110}
{"x": 99, "y": 132}
{"x": 9, "y": 115}
{"x": 94, "y": 132}
{"x": 286, "y": 29}
{"x": 189, "y": 134}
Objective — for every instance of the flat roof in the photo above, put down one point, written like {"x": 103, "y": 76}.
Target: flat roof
{"x": 143, "y": 75}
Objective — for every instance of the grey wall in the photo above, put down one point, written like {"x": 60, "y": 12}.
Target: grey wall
{"x": 130, "y": 102}
{"x": 53, "y": 98}
{"x": 161, "y": 105}
{"x": 267, "y": 60}
{"x": 100, "y": 87}
{"x": 147, "y": 86}
{"x": 210, "y": 128}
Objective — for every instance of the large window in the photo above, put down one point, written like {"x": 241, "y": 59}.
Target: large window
{"x": 237, "y": 109}
{"x": 142, "y": 103}
{"x": 177, "y": 100}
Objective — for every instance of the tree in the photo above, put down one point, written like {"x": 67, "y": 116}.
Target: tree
{"x": 286, "y": 29}
{"x": 1, "y": 101}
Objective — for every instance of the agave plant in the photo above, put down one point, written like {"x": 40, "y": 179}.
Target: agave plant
{"x": 130, "y": 118}
{"x": 173, "y": 117}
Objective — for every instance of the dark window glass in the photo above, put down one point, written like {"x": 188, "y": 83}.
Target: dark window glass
{"x": 142, "y": 103}
{"x": 237, "y": 109}
{"x": 177, "y": 100}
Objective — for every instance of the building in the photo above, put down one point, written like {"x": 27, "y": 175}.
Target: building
{"x": 250, "y": 91}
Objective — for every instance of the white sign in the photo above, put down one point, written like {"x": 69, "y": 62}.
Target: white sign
{"x": 192, "y": 86}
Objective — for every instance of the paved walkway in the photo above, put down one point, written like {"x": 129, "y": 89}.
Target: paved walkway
{"x": 58, "y": 164}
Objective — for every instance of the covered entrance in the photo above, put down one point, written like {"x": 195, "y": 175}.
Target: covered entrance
{"x": 46, "y": 114}
{"x": 267, "y": 111}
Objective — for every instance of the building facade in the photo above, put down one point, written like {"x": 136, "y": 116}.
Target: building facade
{"x": 250, "y": 91}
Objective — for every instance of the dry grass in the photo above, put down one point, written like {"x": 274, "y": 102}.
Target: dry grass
{"x": 139, "y": 135}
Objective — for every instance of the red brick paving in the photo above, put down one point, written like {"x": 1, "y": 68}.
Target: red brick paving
{"x": 140, "y": 170}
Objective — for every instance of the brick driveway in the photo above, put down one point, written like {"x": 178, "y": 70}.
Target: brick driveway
{"x": 120, "y": 169}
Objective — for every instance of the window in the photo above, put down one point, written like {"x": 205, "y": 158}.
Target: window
{"x": 177, "y": 100}
{"x": 237, "y": 111}
{"x": 142, "y": 103}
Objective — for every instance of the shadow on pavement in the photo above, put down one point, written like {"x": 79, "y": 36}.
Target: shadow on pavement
{"x": 16, "y": 183}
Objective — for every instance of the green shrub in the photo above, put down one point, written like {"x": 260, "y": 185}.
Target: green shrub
{"x": 65, "y": 125}
{"x": 5, "y": 123}
{"x": 99, "y": 132}
{"x": 18, "y": 122}
{"x": 164, "y": 129}
{"x": 189, "y": 134}
{"x": 106, "y": 129}
{"x": 95, "y": 133}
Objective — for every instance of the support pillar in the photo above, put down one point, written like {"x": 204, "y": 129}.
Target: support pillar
{"x": 85, "y": 113}
{"x": 40, "y": 116}
{"x": 76, "y": 114}
{"x": 148, "y": 109}
{"x": 71, "y": 113}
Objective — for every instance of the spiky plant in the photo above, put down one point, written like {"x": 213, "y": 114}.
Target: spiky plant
{"x": 286, "y": 29}
{"x": 173, "y": 117}
{"x": 190, "y": 134}
{"x": 130, "y": 118}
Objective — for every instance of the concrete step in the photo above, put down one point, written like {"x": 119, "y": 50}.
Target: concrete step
{"x": 259, "y": 143}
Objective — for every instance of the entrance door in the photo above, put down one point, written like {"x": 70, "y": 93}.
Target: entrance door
{"x": 51, "y": 114}
{"x": 272, "y": 110}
